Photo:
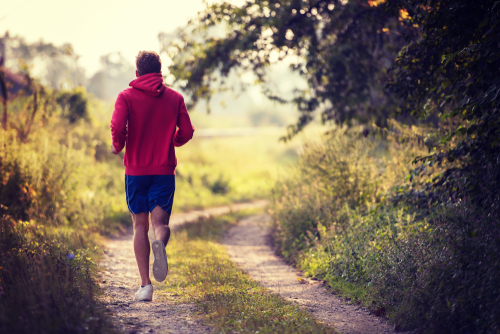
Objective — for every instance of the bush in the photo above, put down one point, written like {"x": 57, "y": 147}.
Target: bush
{"x": 74, "y": 104}
{"x": 57, "y": 181}
{"x": 435, "y": 268}
{"x": 448, "y": 279}
{"x": 345, "y": 172}
{"x": 46, "y": 283}
{"x": 55, "y": 196}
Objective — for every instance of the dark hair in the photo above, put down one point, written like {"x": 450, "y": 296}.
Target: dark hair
{"x": 148, "y": 62}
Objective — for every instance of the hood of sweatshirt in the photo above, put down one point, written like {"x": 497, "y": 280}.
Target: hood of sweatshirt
{"x": 151, "y": 83}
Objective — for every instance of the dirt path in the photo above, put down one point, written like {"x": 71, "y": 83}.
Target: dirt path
{"x": 248, "y": 244}
{"x": 120, "y": 280}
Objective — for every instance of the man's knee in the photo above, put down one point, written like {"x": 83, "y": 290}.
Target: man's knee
{"x": 141, "y": 221}
{"x": 159, "y": 217}
{"x": 160, "y": 222}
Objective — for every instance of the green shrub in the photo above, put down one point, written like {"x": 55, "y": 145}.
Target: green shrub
{"x": 342, "y": 217}
{"x": 57, "y": 181}
{"x": 448, "y": 279}
{"x": 55, "y": 196}
{"x": 46, "y": 282}
{"x": 74, "y": 104}
{"x": 345, "y": 173}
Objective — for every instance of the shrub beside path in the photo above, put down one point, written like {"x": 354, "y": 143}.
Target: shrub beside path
{"x": 249, "y": 245}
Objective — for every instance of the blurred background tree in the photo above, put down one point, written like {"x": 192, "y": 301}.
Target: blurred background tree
{"x": 113, "y": 77}
{"x": 343, "y": 49}
{"x": 54, "y": 66}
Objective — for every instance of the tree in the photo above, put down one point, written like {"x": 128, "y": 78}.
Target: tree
{"x": 74, "y": 104}
{"x": 114, "y": 74}
{"x": 57, "y": 65}
{"x": 342, "y": 48}
{"x": 454, "y": 70}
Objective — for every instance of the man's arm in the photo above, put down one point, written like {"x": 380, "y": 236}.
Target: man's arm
{"x": 119, "y": 124}
{"x": 185, "y": 129}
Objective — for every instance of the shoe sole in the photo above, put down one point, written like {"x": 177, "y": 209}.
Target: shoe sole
{"x": 160, "y": 264}
{"x": 143, "y": 300}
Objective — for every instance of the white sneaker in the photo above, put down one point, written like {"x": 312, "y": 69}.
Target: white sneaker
{"x": 145, "y": 293}
{"x": 160, "y": 264}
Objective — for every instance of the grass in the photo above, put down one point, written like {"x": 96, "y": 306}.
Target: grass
{"x": 57, "y": 193}
{"x": 223, "y": 170}
{"x": 349, "y": 213}
{"x": 228, "y": 298}
{"x": 47, "y": 282}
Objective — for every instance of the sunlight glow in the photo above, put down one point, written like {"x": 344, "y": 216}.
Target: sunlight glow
{"x": 96, "y": 27}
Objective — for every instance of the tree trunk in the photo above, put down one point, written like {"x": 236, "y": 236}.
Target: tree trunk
{"x": 5, "y": 114}
{"x": 3, "y": 84}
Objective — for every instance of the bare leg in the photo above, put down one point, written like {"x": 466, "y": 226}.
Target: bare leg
{"x": 159, "y": 220}
{"x": 141, "y": 245}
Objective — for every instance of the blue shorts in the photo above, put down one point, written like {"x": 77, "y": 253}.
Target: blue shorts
{"x": 145, "y": 192}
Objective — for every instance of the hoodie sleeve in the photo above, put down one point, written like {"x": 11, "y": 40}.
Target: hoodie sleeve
{"x": 185, "y": 129}
{"x": 119, "y": 122}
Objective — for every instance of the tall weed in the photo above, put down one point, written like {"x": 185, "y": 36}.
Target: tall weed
{"x": 345, "y": 174}
{"x": 46, "y": 282}
{"x": 340, "y": 217}
{"x": 56, "y": 194}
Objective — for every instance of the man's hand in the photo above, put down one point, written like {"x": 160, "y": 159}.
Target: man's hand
{"x": 113, "y": 150}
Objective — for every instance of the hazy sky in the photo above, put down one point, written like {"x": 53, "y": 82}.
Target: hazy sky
{"x": 97, "y": 27}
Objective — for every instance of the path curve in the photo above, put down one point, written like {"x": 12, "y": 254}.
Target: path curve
{"x": 249, "y": 246}
{"x": 119, "y": 278}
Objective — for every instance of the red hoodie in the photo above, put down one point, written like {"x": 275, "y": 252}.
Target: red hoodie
{"x": 146, "y": 117}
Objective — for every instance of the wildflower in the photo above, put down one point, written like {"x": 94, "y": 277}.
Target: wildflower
{"x": 70, "y": 256}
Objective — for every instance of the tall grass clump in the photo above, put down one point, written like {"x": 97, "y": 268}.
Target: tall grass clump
{"x": 344, "y": 215}
{"x": 334, "y": 182}
{"x": 58, "y": 191}
{"x": 47, "y": 283}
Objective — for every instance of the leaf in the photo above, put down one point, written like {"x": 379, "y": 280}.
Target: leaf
{"x": 484, "y": 22}
{"x": 446, "y": 139}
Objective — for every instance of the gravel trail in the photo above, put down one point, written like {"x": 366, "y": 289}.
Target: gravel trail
{"x": 120, "y": 280}
{"x": 249, "y": 246}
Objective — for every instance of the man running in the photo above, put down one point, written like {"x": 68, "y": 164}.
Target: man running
{"x": 151, "y": 119}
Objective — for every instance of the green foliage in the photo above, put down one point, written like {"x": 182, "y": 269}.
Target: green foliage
{"x": 58, "y": 184}
{"x": 202, "y": 273}
{"x": 432, "y": 268}
{"x": 446, "y": 280}
{"x": 341, "y": 48}
{"x": 15, "y": 198}
{"x": 74, "y": 104}
{"x": 453, "y": 70}
{"x": 344, "y": 173}
{"x": 55, "y": 195}
{"x": 46, "y": 282}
